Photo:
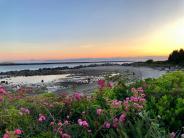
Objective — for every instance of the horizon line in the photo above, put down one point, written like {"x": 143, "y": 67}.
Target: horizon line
{"x": 85, "y": 58}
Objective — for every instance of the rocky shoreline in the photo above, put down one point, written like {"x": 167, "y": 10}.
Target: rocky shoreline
{"x": 83, "y": 79}
{"x": 48, "y": 71}
{"x": 159, "y": 65}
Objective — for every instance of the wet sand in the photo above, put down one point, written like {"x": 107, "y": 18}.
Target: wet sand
{"x": 84, "y": 79}
{"x": 130, "y": 74}
{"x": 137, "y": 72}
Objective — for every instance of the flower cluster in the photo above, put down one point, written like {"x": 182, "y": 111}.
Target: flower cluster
{"x": 58, "y": 128}
{"x": 116, "y": 104}
{"x": 122, "y": 118}
{"x": 24, "y": 111}
{"x": 77, "y": 96}
{"x": 47, "y": 104}
{"x": 115, "y": 122}
{"x": 83, "y": 123}
{"x": 2, "y": 90}
{"x": 102, "y": 84}
{"x": 136, "y": 101}
{"x": 2, "y": 93}
{"x": 16, "y": 133}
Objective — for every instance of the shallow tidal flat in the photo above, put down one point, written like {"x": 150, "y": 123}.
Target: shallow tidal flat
{"x": 83, "y": 80}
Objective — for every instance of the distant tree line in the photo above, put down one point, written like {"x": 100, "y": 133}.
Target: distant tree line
{"x": 177, "y": 56}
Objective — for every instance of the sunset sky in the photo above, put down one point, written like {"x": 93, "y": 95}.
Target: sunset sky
{"x": 59, "y": 29}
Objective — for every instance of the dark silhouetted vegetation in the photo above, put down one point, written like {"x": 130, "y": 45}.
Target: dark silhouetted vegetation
{"x": 149, "y": 61}
{"x": 177, "y": 56}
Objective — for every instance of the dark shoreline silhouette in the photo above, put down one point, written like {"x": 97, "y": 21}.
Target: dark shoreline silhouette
{"x": 45, "y": 63}
{"x": 50, "y": 71}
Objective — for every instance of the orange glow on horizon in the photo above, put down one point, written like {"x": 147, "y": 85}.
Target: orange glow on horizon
{"x": 70, "y": 53}
{"x": 157, "y": 43}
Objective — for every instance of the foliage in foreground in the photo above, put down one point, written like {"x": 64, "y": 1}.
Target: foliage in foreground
{"x": 165, "y": 98}
{"x": 152, "y": 108}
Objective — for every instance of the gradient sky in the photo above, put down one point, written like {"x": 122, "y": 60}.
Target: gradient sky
{"x": 57, "y": 29}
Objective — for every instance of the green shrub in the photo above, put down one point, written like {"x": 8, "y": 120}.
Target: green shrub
{"x": 165, "y": 97}
{"x": 160, "y": 113}
{"x": 119, "y": 92}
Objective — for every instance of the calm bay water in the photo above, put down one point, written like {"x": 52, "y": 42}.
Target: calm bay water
{"x": 108, "y": 60}
{"x": 36, "y": 67}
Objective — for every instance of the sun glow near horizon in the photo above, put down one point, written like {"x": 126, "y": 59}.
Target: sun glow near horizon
{"x": 163, "y": 40}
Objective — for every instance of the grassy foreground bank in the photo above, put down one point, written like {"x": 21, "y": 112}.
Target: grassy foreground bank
{"x": 152, "y": 108}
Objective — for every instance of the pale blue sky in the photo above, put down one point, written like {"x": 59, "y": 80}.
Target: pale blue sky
{"x": 81, "y": 21}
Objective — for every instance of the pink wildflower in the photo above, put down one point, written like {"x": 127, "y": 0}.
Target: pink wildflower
{"x": 1, "y": 98}
{"x": 135, "y": 99}
{"x": 140, "y": 107}
{"x": 24, "y": 111}
{"x": 135, "y": 105}
{"x": 110, "y": 84}
{"x": 107, "y": 125}
{"x": 133, "y": 90}
{"x": 83, "y": 123}
{"x": 101, "y": 84}
{"x": 66, "y": 135}
{"x": 60, "y": 130}
{"x": 126, "y": 108}
{"x": 143, "y": 95}
{"x": 41, "y": 118}
{"x": 80, "y": 122}
{"x": 18, "y": 132}
{"x": 77, "y": 96}
{"x": 131, "y": 98}
{"x": 125, "y": 103}
{"x": 122, "y": 118}
{"x": 172, "y": 135}
{"x": 51, "y": 123}
{"x": 116, "y": 103}
{"x": 60, "y": 123}
{"x": 99, "y": 111}
{"x": 115, "y": 122}
{"x": 142, "y": 100}
{"x": 127, "y": 99}
{"x": 2, "y": 90}
{"x": 6, "y": 135}
{"x": 66, "y": 122}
